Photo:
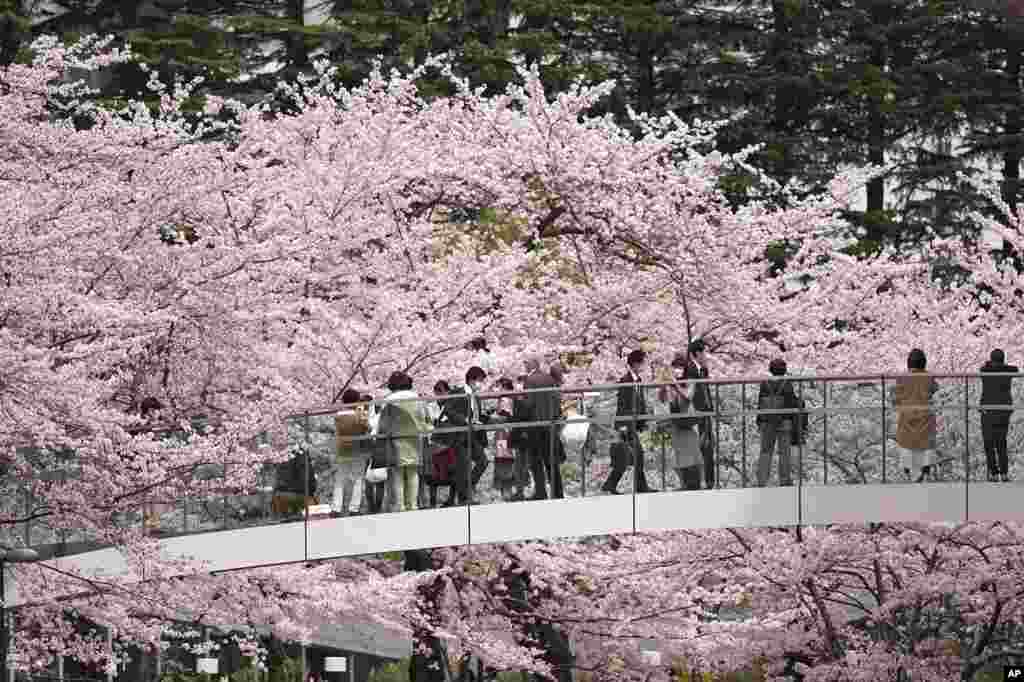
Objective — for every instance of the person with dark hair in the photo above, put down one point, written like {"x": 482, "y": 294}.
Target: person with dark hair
{"x": 373, "y": 493}
{"x": 403, "y": 421}
{"x": 697, "y": 368}
{"x": 506, "y": 476}
{"x": 776, "y": 429}
{"x": 631, "y": 402}
{"x": 682, "y": 428}
{"x": 466, "y": 410}
{"x": 996, "y": 408}
{"x": 915, "y": 429}
{"x": 542, "y": 406}
{"x": 150, "y": 411}
{"x": 352, "y": 458}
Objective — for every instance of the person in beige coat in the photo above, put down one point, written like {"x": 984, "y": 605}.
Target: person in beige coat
{"x": 915, "y": 429}
{"x": 351, "y": 457}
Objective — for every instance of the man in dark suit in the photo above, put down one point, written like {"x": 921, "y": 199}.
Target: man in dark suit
{"x": 697, "y": 368}
{"x": 463, "y": 409}
{"x": 995, "y": 421}
{"x": 542, "y": 406}
{"x": 631, "y": 402}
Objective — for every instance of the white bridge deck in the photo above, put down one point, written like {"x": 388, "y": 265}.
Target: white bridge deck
{"x": 323, "y": 539}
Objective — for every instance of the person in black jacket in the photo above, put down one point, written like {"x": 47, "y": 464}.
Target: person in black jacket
{"x": 776, "y": 429}
{"x": 995, "y": 420}
{"x": 697, "y": 368}
{"x": 631, "y": 402}
{"x": 463, "y": 409}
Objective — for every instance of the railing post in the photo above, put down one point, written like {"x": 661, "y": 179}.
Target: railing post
{"x": 552, "y": 449}
{"x": 663, "y": 436}
{"x": 884, "y": 430}
{"x": 824, "y": 426}
{"x": 468, "y": 459}
{"x": 305, "y": 488}
{"x": 715, "y": 448}
{"x": 634, "y": 441}
{"x": 967, "y": 450}
{"x": 743, "y": 430}
{"x": 584, "y": 451}
{"x": 798, "y": 434}
{"x": 224, "y": 496}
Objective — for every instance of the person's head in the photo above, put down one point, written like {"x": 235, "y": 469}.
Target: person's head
{"x": 149, "y": 407}
{"x": 678, "y": 366}
{"x": 399, "y": 381}
{"x": 557, "y": 372}
{"x": 696, "y": 350}
{"x": 777, "y": 367}
{"x": 532, "y": 364}
{"x": 636, "y": 360}
{"x": 505, "y": 384}
{"x": 997, "y": 356}
{"x": 916, "y": 359}
{"x": 442, "y": 388}
{"x": 350, "y": 396}
{"x": 475, "y": 377}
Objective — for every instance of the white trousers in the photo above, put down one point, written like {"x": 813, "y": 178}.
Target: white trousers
{"x": 915, "y": 460}
{"x": 349, "y": 477}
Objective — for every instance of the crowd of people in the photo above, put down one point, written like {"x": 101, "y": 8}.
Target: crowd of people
{"x": 395, "y": 454}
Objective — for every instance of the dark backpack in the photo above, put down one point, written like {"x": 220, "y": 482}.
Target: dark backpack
{"x": 773, "y": 400}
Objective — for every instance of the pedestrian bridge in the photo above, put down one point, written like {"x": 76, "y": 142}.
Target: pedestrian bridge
{"x": 328, "y": 538}
{"x": 847, "y": 470}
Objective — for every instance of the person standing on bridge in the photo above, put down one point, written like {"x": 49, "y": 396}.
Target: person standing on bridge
{"x": 915, "y": 429}
{"x": 683, "y": 428}
{"x": 541, "y": 406}
{"x": 403, "y": 421}
{"x": 697, "y": 368}
{"x": 776, "y": 429}
{"x": 351, "y": 457}
{"x": 996, "y": 408}
{"x": 631, "y": 402}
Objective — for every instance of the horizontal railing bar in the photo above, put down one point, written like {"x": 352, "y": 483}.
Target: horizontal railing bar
{"x": 629, "y": 419}
{"x": 608, "y": 388}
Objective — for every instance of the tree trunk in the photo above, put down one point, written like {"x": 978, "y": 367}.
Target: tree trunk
{"x": 433, "y": 666}
{"x": 876, "y": 227}
{"x": 557, "y": 652}
{"x": 1014, "y": 145}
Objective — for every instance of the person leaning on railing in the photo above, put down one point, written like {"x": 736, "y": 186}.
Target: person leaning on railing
{"x": 995, "y": 421}
{"x": 915, "y": 429}
{"x": 351, "y": 457}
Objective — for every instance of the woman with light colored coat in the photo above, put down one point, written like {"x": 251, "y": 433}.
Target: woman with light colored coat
{"x": 915, "y": 430}
{"x": 351, "y": 457}
{"x": 404, "y": 420}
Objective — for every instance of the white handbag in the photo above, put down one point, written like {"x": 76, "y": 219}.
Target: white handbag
{"x": 378, "y": 475}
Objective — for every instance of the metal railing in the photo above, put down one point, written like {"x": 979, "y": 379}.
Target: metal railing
{"x": 851, "y": 426}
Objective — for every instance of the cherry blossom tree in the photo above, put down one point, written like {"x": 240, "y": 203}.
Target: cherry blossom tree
{"x": 246, "y": 275}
